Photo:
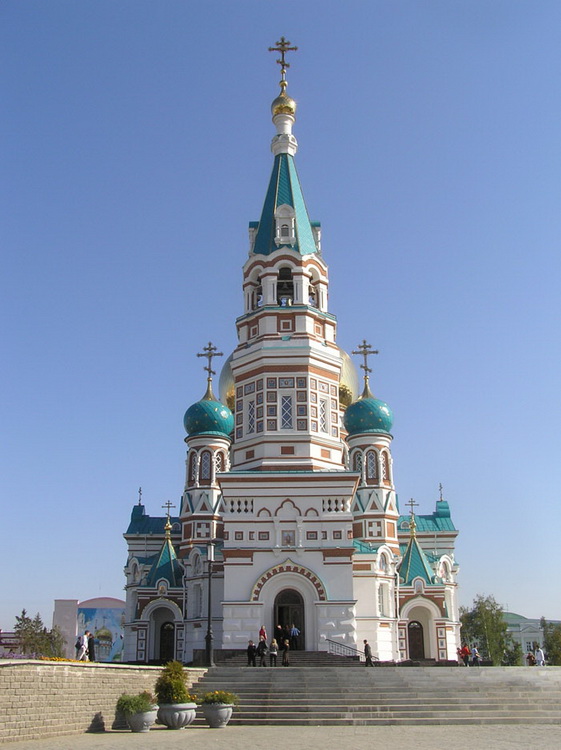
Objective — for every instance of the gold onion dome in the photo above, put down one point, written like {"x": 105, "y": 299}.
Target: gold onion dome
{"x": 283, "y": 105}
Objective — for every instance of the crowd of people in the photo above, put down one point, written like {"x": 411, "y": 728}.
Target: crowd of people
{"x": 286, "y": 639}
{"x": 471, "y": 655}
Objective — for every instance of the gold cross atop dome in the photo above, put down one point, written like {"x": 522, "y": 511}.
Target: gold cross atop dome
{"x": 167, "y": 527}
{"x": 365, "y": 350}
{"x": 412, "y": 523}
{"x": 283, "y": 46}
{"x": 209, "y": 352}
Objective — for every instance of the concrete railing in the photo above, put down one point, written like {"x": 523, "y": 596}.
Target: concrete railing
{"x": 43, "y": 699}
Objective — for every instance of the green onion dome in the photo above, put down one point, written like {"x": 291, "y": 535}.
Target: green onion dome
{"x": 368, "y": 414}
{"x": 208, "y": 417}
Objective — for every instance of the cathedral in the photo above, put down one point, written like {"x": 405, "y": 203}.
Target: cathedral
{"x": 289, "y": 513}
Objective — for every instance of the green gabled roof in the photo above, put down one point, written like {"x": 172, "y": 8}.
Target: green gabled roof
{"x": 284, "y": 188}
{"x": 415, "y": 564}
{"x": 167, "y": 566}
{"x": 440, "y": 520}
{"x": 141, "y": 523}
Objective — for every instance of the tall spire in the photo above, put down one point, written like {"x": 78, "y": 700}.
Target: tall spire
{"x": 284, "y": 196}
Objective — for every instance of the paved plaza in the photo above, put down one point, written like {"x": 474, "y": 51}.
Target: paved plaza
{"x": 498, "y": 737}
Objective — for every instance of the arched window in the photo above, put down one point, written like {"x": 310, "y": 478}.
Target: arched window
{"x": 285, "y": 230}
{"x": 357, "y": 461}
{"x": 385, "y": 466}
{"x": 383, "y": 563}
{"x": 285, "y": 287}
{"x": 205, "y": 466}
{"x": 371, "y": 467}
{"x": 192, "y": 468}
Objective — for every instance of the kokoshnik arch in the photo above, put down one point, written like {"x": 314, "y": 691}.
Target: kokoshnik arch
{"x": 289, "y": 479}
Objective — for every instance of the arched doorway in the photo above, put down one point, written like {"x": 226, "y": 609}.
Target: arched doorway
{"x": 416, "y": 640}
{"x": 289, "y": 610}
{"x": 167, "y": 642}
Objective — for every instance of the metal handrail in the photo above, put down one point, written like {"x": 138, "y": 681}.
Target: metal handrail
{"x": 341, "y": 649}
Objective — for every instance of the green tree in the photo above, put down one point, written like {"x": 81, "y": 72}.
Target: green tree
{"x": 551, "y": 641}
{"x": 35, "y": 639}
{"x": 484, "y": 624}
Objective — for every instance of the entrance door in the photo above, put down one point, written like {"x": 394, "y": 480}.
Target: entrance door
{"x": 416, "y": 640}
{"x": 167, "y": 645}
{"x": 288, "y": 611}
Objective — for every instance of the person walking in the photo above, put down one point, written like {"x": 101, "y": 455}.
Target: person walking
{"x": 82, "y": 647}
{"x": 273, "y": 652}
{"x": 368, "y": 654}
{"x": 262, "y": 652}
{"x": 540, "y": 657}
{"x": 475, "y": 656}
{"x": 294, "y": 633}
{"x": 465, "y": 653}
{"x": 91, "y": 647}
{"x": 285, "y": 659}
{"x": 251, "y": 654}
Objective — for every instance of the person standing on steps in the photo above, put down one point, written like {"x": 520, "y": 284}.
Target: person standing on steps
{"x": 465, "y": 652}
{"x": 262, "y": 652}
{"x": 540, "y": 657}
{"x": 285, "y": 659}
{"x": 368, "y": 654}
{"x": 263, "y": 632}
{"x": 251, "y": 654}
{"x": 273, "y": 652}
{"x": 475, "y": 656}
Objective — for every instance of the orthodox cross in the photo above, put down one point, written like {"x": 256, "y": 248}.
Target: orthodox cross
{"x": 411, "y": 504}
{"x": 440, "y": 488}
{"x": 168, "y": 505}
{"x": 140, "y": 495}
{"x": 209, "y": 352}
{"x": 283, "y": 46}
{"x": 365, "y": 350}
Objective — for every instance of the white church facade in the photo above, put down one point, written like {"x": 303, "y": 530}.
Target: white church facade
{"x": 289, "y": 492}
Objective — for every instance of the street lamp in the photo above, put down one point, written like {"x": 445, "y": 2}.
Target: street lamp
{"x": 209, "y": 637}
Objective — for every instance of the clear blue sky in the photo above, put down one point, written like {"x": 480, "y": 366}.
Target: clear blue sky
{"x": 135, "y": 149}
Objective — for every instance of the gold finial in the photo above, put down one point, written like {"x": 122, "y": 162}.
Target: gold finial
{"x": 167, "y": 527}
{"x": 283, "y": 46}
{"x": 412, "y": 524}
{"x": 365, "y": 350}
{"x": 209, "y": 352}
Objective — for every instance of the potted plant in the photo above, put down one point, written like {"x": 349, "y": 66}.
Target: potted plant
{"x": 177, "y": 707}
{"x": 217, "y": 707}
{"x": 139, "y": 710}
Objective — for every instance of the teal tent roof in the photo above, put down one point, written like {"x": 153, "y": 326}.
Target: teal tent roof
{"x": 167, "y": 566}
{"x": 415, "y": 564}
{"x": 284, "y": 189}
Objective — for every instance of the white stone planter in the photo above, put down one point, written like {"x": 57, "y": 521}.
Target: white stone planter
{"x": 142, "y": 722}
{"x": 217, "y": 714}
{"x": 177, "y": 715}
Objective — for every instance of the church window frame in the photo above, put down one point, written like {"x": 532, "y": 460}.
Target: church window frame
{"x": 357, "y": 462}
{"x": 192, "y": 475}
{"x": 323, "y": 415}
{"x": 287, "y": 416}
{"x": 371, "y": 466}
{"x": 205, "y": 468}
{"x": 250, "y": 417}
{"x": 383, "y": 563}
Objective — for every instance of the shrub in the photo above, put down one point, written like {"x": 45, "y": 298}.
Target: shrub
{"x": 218, "y": 696}
{"x": 128, "y": 705}
{"x": 170, "y": 685}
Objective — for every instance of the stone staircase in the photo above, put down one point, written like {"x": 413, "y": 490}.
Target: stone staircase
{"x": 334, "y": 695}
{"x": 299, "y": 659}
